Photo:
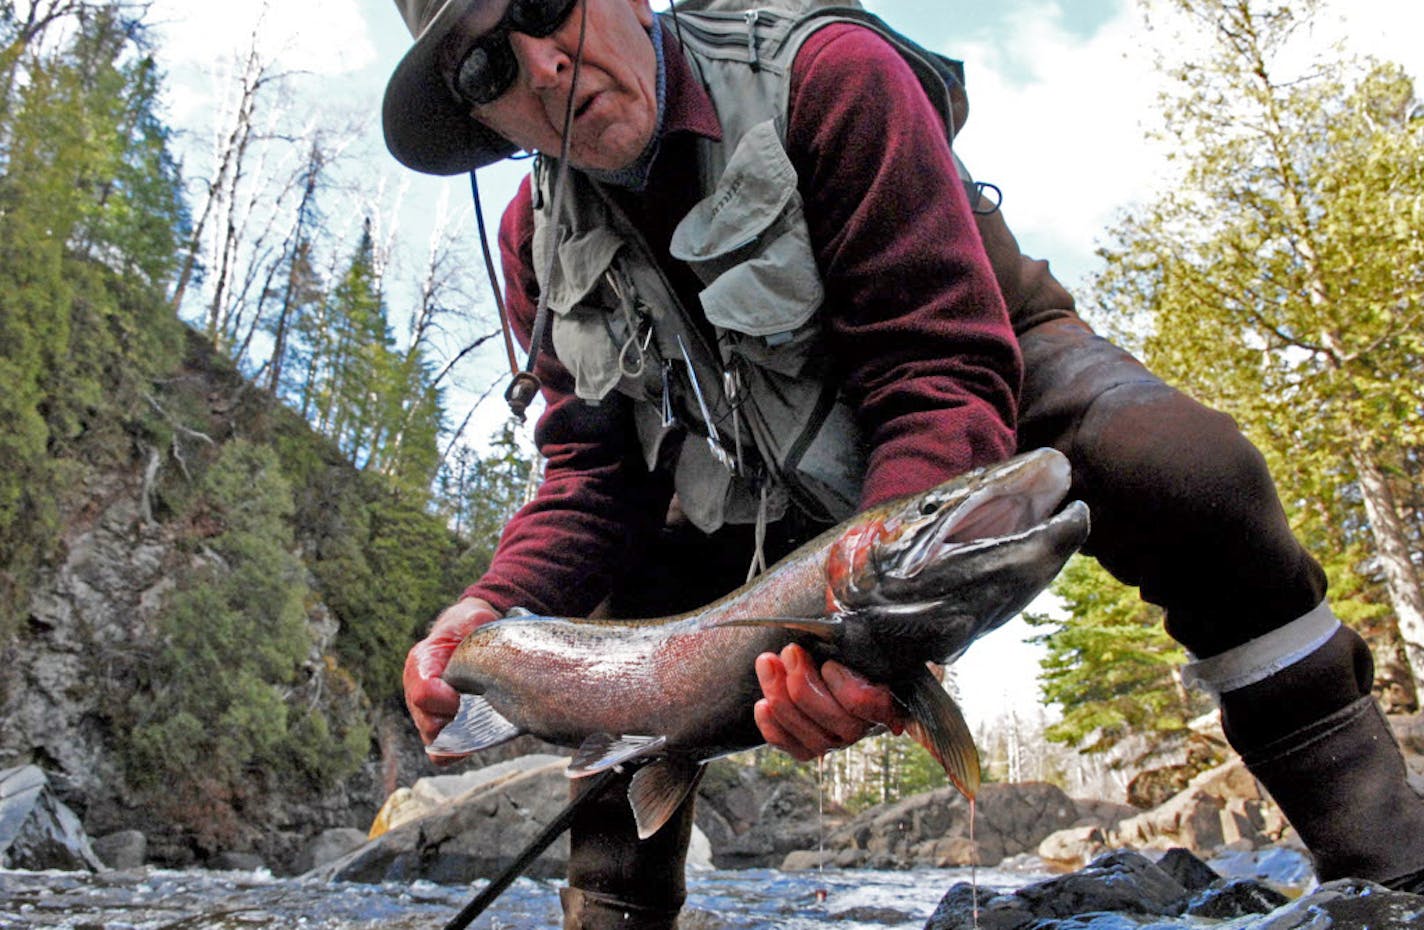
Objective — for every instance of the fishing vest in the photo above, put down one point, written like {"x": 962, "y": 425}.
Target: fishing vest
{"x": 755, "y": 390}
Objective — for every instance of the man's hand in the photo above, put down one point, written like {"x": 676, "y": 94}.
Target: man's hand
{"x": 431, "y": 702}
{"x": 808, "y": 712}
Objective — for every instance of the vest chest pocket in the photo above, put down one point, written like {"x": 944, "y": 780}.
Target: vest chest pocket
{"x": 748, "y": 243}
{"x": 595, "y": 329}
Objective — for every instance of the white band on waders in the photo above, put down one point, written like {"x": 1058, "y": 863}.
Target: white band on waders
{"x": 1264, "y": 656}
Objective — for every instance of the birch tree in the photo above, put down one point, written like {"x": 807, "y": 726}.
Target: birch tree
{"x": 1284, "y": 282}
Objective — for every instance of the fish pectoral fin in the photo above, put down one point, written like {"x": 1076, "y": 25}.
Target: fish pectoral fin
{"x": 658, "y": 789}
{"x": 476, "y": 726}
{"x": 825, "y": 628}
{"x": 603, "y": 751}
{"x": 937, "y": 724}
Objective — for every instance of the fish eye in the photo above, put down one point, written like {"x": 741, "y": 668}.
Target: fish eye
{"x": 929, "y": 509}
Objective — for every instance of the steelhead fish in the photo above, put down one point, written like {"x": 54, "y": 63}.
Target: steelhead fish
{"x": 913, "y": 581}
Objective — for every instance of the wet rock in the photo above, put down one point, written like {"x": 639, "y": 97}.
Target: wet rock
{"x": 1126, "y": 891}
{"x": 328, "y": 846}
{"x": 1122, "y": 882}
{"x": 1232, "y": 898}
{"x": 1189, "y": 871}
{"x": 126, "y": 849}
{"x": 871, "y": 915}
{"x": 472, "y": 826}
{"x": 37, "y": 831}
{"x": 963, "y": 908}
{"x": 1348, "y": 904}
{"x": 236, "y": 862}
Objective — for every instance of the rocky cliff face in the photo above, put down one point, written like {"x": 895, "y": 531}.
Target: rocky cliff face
{"x": 89, "y": 631}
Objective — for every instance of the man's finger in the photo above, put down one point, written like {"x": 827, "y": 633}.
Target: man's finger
{"x": 804, "y": 732}
{"x": 774, "y": 735}
{"x": 813, "y": 698}
{"x": 863, "y": 699}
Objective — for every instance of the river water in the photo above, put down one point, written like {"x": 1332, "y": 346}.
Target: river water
{"x": 759, "y": 899}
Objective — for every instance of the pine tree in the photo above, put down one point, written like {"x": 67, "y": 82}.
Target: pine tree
{"x": 90, "y": 211}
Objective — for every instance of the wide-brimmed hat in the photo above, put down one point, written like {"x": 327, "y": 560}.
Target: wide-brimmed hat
{"x": 426, "y": 127}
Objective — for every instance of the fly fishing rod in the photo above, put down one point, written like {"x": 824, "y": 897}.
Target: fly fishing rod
{"x": 551, "y": 832}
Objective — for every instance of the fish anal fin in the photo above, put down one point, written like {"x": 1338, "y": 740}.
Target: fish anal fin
{"x": 476, "y": 726}
{"x": 825, "y": 628}
{"x": 602, "y": 751}
{"x": 658, "y": 789}
{"x": 937, "y": 723}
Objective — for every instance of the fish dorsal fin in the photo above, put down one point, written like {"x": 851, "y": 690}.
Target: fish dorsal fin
{"x": 825, "y": 628}
{"x": 657, "y": 790}
{"x": 602, "y": 751}
{"x": 518, "y": 612}
{"x": 476, "y": 726}
{"x": 937, "y": 724}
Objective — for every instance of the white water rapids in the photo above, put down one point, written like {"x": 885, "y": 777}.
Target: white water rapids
{"x": 758, "y": 899}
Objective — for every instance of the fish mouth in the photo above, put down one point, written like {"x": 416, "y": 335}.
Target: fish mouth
{"x": 1008, "y": 502}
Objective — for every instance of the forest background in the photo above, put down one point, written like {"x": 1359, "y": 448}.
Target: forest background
{"x": 1274, "y": 267}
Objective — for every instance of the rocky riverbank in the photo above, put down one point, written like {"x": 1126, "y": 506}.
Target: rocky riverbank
{"x": 1124, "y": 868}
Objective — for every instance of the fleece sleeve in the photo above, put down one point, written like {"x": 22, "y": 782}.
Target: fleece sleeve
{"x": 597, "y": 504}
{"x": 913, "y": 312}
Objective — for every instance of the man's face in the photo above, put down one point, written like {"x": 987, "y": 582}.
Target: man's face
{"x": 615, "y": 104}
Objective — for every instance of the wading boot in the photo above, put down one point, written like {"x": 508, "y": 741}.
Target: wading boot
{"x": 616, "y": 881}
{"x": 1313, "y": 735}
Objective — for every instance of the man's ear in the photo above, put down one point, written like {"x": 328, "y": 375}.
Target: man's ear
{"x": 643, "y": 9}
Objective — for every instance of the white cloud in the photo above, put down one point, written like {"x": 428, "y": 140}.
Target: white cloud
{"x": 320, "y": 36}
{"x": 1061, "y": 122}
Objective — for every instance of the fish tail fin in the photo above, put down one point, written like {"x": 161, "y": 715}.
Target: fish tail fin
{"x": 826, "y": 628}
{"x": 937, "y": 723}
{"x": 475, "y": 726}
{"x": 658, "y": 789}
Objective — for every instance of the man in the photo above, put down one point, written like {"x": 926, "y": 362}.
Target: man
{"x": 769, "y": 304}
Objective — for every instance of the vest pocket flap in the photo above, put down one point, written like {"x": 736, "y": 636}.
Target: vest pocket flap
{"x": 754, "y": 189}
{"x": 582, "y": 341}
{"x": 771, "y": 294}
{"x": 582, "y": 260}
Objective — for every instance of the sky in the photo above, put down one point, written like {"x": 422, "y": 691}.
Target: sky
{"x": 1061, "y": 96}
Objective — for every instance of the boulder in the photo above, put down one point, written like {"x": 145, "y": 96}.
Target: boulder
{"x": 1124, "y": 890}
{"x": 328, "y": 846}
{"x": 236, "y": 862}
{"x": 468, "y": 826}
{"x": 932, "y": 829}
{"x": 1223, "y": 807}
{"x": 126, "y": 849}
{"x": 1074, "y": 847}
{"x": 1349, "y": 903}
{"x": 1235, "y": 898}
{"x": 753, "y": 819}
{"x": 37, "y": 831}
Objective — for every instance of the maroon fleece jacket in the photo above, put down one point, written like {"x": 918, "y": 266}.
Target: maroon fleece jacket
{"x": 912, "y": 313}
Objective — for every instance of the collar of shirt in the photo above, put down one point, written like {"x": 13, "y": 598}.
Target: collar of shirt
{"x": 689, "y": 109}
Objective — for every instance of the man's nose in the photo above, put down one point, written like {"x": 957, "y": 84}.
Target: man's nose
{"x": 542, "y": 61}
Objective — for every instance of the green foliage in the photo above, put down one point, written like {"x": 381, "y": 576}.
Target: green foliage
{"x": 892, "y": 767}
{"x": 390, "y": 594}
{"x": 1281, "y": 279}
{"x": 379, "y": 405}
{"x": 1110, "y": 666}
{"x": 220, "y": 693}
{"x": 482, "y": 492}
{"x": 90, "y": 212}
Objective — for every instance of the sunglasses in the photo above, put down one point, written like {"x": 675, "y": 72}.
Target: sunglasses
{"x": 489, "y": 68}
